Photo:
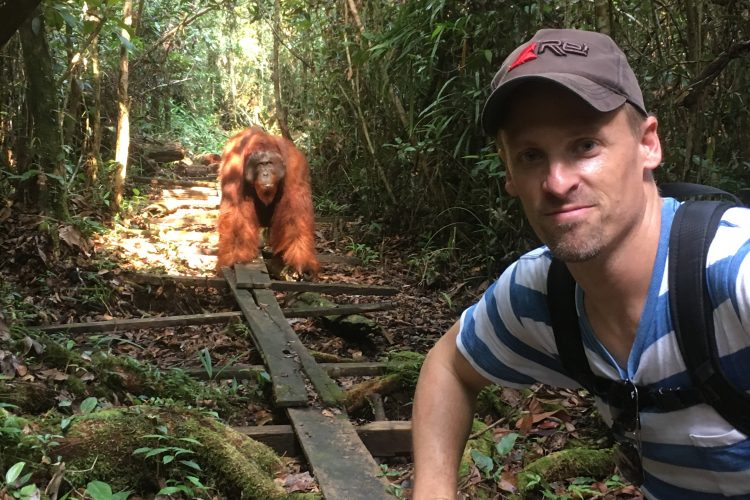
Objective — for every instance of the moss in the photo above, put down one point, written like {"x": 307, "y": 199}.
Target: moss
{"x": 235, "y": 459}
{"x": 58, "y": 356}
{"x": 483, "y": 443}
{"x": 102, "y": 445}
{"x": 565, "y": 464}
{"x": 406, "y": 364}
{"x": 76, "y": 386}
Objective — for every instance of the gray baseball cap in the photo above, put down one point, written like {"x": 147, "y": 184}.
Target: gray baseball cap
{"x": 587, "y": 63}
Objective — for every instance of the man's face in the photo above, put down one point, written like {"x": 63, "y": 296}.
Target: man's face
{"x": 580, "y": 174}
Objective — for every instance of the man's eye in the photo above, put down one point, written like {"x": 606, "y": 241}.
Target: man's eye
{"x": 530, "y": 156}
{"x": 586, "y": 146}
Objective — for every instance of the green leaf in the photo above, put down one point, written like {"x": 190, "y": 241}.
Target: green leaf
{"x": 482, "y": 461}
{"x": 64, "y": 423}
{"x": 99, "y": 490}
{"x": 88, "y": 405}
{"x": 191, "y": 441}
{"x": 155, "y": 451}
{"x": 191, "y": 464}
{"x": 168, "y": 490}
{"x": 488, "y": 55}
{"x": 506, "y": 444}
{"x": 141, "y": 450}
{"x": 27, "y": 491}
{"x": 14, "y": 472}
{"x": 154, "y": 436}
{"x": 195, "y": 481}
{"x": 166, "y": 459}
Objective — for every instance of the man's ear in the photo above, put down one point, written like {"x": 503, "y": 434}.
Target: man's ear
{"x": 650, "y": 144}
{"x": 509, "y": 186}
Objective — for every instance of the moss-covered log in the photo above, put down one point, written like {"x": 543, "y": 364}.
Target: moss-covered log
{"x": 103, "y": 446}
{"x": 566, "y": 464}
{"x": 356, "y": 396}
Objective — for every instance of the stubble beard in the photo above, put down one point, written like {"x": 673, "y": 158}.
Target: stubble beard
{"x": 568, "y": 246}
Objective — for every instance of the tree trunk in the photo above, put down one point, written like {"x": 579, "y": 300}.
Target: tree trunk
{"x": 41, "y": 99}
{"x": 275, "y": 73}
{"x": 123, "y": 116}
{"x": 693, "y": 15}
{"x": 95, "y": 113}
{"x": 603, "y": 14}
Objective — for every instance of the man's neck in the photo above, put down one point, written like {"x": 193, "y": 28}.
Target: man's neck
{"x": 616, "y": 284}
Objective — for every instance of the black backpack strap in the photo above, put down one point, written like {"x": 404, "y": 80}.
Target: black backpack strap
{"x": 561, "y": 300}
{"x": 564, "y": 322}
{"x": 695, "y": 224}
{"x": 685, "y": 190}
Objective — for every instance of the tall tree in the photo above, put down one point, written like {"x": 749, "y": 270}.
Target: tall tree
{"x": 93, "y": 155}
{"x": 41, "y": 99}
{"x": 275, "y": 73}
{"x": 123, "y": 107}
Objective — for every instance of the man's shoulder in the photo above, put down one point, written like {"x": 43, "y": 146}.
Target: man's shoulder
{"x": 528, "y": 271}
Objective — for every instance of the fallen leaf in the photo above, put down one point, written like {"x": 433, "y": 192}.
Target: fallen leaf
{"x": 298, "y": 482}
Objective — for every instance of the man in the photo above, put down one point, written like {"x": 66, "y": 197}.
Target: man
{"x": 580, "y": 149}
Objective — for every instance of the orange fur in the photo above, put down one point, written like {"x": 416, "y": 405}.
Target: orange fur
{"x": 292, "y": 223}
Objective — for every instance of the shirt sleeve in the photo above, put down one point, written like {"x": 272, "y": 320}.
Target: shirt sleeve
{"x": 506, "y": 336}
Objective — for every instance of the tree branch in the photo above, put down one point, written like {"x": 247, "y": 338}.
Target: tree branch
{"x": 691, "y": 94}
{"x": 188, "y": 20}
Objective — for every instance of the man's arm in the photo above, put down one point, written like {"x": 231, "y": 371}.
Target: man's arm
{"x": 443, "y": 409}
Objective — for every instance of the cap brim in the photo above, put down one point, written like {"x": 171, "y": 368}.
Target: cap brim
{"x": 597, "y": 96}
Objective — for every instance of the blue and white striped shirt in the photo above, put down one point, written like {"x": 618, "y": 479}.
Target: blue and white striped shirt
{"x": 689, "y": 453}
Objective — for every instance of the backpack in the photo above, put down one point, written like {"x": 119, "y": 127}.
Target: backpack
{"x": 695, "y": 224}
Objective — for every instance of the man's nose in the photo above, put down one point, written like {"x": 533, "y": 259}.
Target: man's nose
{"x": 561, "y": 178}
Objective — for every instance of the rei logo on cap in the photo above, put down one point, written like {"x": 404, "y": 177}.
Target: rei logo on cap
{"x": 557, "y": 47}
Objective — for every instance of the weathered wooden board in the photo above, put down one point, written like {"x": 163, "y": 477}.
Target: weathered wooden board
{"x": 279, "y": 357}
{"x": 382, "y": 439}
{"x": 329, "y": 288}
{"x": 277, "y": 286}
{"x": 335, "y": 370}
{"x": 343, "y": 467}
{"x": 119, "y": 325}
{"x": 328, "y": 391}
{"x": 162, "y": 279}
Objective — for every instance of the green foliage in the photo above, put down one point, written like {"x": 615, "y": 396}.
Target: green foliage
{"x": 366, "y": 254}
{"x": 171, "y": 453}
{"x": 99, "y": 490}
{"x": 15, "y": 484}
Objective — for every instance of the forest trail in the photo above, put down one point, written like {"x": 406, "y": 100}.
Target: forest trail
{"x": 179, "y": 238}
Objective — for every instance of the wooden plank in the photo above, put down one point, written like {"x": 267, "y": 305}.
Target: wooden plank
{"x": 382, "y": 439}
{"x": 386, "y": 438}
{"x": 278, "y": 286}
{"x": 343, "y": 467}
{"x": 335, "y": 370}
{"x": 329, "y": 258}
{"x": 162, "y": 279}
{"x": 329, "y": 288}
{"x": 115, "y": 325}
{"x": 338, "y": 309}
{"x": 328, "y": 391}
{"x": 283, "y": 367}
